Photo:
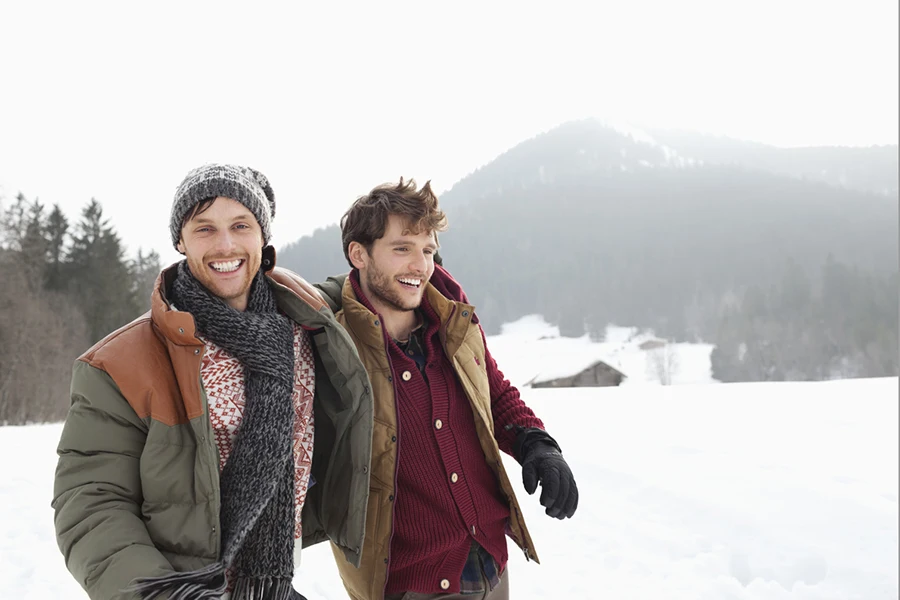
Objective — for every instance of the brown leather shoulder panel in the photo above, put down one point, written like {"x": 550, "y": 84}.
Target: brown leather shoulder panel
{"x": 299, "y": 286}
{"x": 137, "y": 359}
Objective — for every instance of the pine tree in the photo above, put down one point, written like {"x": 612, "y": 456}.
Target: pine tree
{"x": 56, "y": 232}
{"x": 23, "y": 225}
{"x": 34, "y": 246}
{"x": 13, "y": 223}
{"x": 101, "y": 283}
{"x": 145, "y": 269}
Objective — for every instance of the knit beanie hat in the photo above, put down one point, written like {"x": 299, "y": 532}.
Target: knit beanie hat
{"x": 242, "y": 184}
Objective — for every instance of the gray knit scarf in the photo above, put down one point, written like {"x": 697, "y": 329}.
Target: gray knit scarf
{"x": 257, "y": 482}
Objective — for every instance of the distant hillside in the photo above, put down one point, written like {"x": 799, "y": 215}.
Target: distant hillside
{"x": 871, "y": 169}
{"x": 590, "y": 224}
{"x": 592, "y": 145}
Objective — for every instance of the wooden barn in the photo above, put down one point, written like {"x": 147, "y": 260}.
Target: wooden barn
{"x": 598, "y": 374}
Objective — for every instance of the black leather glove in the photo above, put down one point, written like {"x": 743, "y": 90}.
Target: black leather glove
{"x": 542, "y": 460}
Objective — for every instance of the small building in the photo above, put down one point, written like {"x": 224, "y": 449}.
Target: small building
{"x": 598, "y": 374}
{"x": 652, "y": 344}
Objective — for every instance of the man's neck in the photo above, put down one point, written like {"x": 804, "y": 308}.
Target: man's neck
{"x": 399, "y": 324}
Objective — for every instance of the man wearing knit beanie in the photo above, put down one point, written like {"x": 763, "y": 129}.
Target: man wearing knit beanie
{"x": 185, "y": 465}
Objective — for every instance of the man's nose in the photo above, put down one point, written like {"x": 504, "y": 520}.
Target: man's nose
{"x": 419, "y": 262}
{"x": 224, "y": 241}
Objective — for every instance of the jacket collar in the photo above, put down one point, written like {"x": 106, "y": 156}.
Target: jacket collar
{"x": 176, "y": 326}
{"x": 366, "y": 324}
{"x": 179, "y": 327}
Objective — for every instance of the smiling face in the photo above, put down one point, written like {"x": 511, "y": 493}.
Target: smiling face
{"x": 393, "y": 273}
{"x": 223, "y": 246}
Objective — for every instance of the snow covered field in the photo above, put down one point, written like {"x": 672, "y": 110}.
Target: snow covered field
{"x": 694, "y": 491}
{"x": 730, "y": 491}
{"x": 530, "y": 348}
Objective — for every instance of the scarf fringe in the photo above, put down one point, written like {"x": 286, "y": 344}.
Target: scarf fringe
{"x": 204, "y": 584}
{"x": 263, "y": 588}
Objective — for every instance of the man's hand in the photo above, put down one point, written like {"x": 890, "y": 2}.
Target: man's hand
{"x": 542, "y": 461}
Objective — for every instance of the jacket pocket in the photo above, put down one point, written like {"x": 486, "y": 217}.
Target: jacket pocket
{"x": 373, "y": 517}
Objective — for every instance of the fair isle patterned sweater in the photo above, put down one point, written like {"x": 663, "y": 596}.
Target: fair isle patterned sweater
{"x": 223, "y": 380}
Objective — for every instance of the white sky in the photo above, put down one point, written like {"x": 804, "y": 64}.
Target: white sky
{"x": 117, "y": 102}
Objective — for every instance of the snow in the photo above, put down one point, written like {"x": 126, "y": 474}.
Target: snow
{"x": 776, "y": 491}
{"x": 671, "y": 156}
{"x": 530, "y": 350}
{"x": 635, "y": 133}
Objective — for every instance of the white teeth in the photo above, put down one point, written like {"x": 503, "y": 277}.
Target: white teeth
{"x": 226, "y": 266}
{"x": 415, "y": 282}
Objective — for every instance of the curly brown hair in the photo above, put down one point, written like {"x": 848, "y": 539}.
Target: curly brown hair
{"x": 366, "y": 219}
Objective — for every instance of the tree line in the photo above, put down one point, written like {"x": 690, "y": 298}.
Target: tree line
{"x": 842, "y": 324}
{"x": 65, "y": 285}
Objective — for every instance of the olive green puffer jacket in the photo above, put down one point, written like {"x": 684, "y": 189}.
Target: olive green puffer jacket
{"x": 136, "y": 492}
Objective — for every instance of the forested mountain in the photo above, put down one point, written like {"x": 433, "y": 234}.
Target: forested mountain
{"x": 871, "y": 169}
{"x": 787, "y": 260}
{"x": 792, "y": 274}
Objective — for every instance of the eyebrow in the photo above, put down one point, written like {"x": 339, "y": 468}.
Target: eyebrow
{"x": 204, "y": 220}
{"x": 402, "y": 242}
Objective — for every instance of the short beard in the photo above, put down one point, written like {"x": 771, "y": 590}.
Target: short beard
{"x": 380, "y": 287}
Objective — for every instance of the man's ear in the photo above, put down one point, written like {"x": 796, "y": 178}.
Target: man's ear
{"x": 359, "y": 256}
{"x": 180, "y": 246}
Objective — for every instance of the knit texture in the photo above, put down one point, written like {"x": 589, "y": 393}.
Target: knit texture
{"x": 223, "y": 379}
{"x": 242, "y": 184}
{"x": 433, "y": 515}
{"x": 257, "y": 482}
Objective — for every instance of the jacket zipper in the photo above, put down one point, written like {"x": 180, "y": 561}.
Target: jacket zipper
{"x": 212, "y": 450}
{"x": 386, "y": 338}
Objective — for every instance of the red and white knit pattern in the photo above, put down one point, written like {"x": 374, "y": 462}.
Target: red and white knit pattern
{"x": 223, "y": 380}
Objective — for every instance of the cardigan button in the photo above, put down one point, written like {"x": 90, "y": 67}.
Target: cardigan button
{"x": 445, "y": 585}
{"x": 454, "y": 477}
{"x": 438, "y": 424}
{"x": 406, "y": 375}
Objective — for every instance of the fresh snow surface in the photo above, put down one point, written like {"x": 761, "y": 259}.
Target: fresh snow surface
{"x": 734, "y": 491}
